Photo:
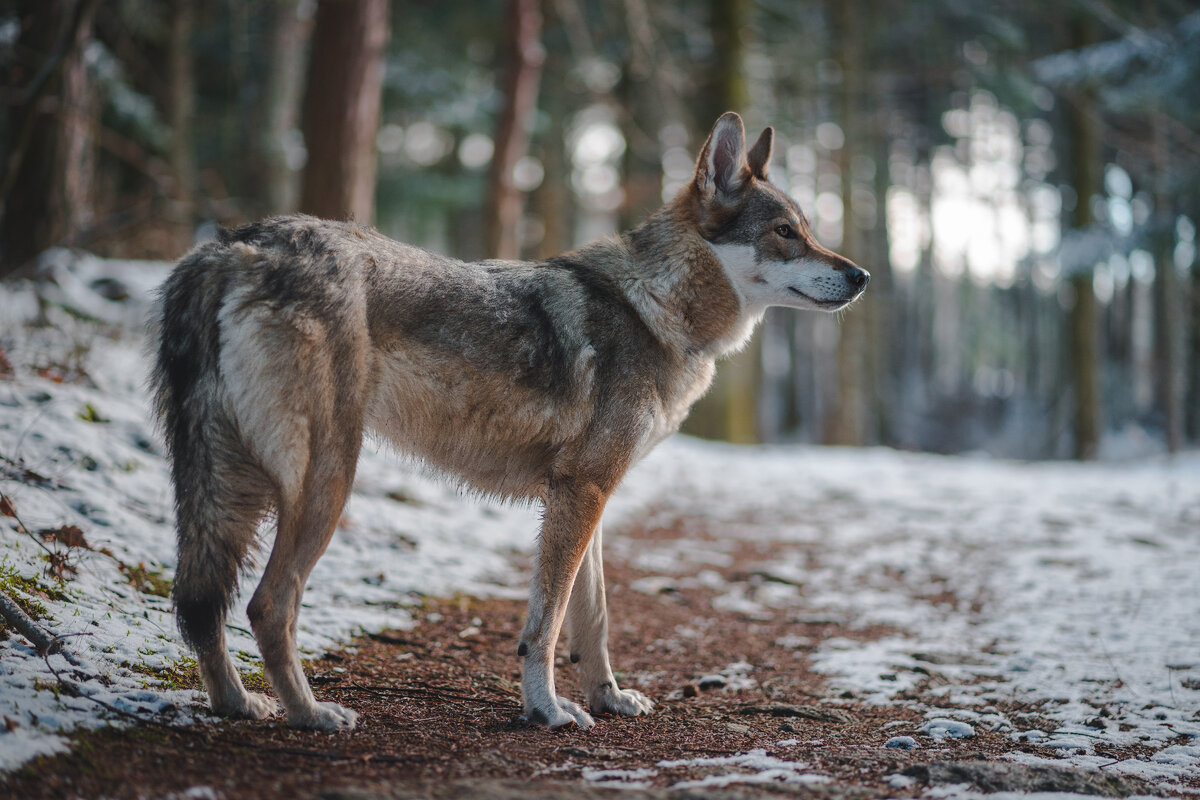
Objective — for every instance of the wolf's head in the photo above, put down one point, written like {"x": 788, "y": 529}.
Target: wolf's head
{"x": 759, "y": 233}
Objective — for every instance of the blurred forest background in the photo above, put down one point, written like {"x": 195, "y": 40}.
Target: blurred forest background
{"x": 1021, "y": 178}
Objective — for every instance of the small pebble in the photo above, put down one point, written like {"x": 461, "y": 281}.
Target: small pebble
{"x": 712, "y": 681}
{"x": 691, "y": 690}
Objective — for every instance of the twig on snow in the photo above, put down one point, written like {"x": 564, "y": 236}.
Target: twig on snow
{"x": 46, "y": 643}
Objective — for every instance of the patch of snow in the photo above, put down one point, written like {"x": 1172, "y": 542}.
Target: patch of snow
{"x": 942, "y": 728}
{"x": 737, "y": 677}
{"x": 902, "y": 743}
{"x": 197, "y": 793}
{"x": 618, "y": 778}
{"x": 963, "y": 791}
{"x": 766, "y": 769}
{"x": 653, "y": 584}
{"x": 794, "y": 641}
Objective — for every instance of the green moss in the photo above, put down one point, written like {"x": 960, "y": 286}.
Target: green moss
{"x": 90, "y": 414}
{"x": 183, "y": 674}
{"x": 25, "y": 591}
{"x": 251, "y": 670}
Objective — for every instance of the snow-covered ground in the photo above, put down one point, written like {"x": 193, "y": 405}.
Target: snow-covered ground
{"x": 1070, "y": 588}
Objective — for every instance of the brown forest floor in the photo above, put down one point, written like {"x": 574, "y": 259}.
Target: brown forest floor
{"x": 439, "y": 716}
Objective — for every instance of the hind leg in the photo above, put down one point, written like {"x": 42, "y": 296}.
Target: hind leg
{"x": 305, "y": 528}
{"x": 216, "y": 531}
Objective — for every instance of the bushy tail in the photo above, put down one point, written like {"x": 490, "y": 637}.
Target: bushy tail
{"x": 186, "y": 383}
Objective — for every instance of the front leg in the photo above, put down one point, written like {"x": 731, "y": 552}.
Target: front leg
{"x": 572, "y": 512}
{"x": 587, "y": 631}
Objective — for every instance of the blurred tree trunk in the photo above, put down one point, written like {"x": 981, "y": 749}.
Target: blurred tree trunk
{"x": 182, "y": 117}
{"x": 1084, "y": 138}
{"x": 727, "y": 81}
{"x": 284, "y": 92}
{"x": 643, "y": 112}
{"x": 729, "y": 410}
{"x": 523, "y": 56}
{"x": 554, "y": 200}
{"x": 1169, "y": 329}
{"x": 342, "y": 108}
{"x": 847, "y": 423}
{"x": 641, "y": 163}
{"x": 1193, "y": 354}
{"x": 1168, "y": 322}
{"x": 46, "y": 186}
{"x": 885, "y": 351}
{"x": 924, "y": 283}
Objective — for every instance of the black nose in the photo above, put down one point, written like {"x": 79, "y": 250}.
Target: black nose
{"x": 858, "y": 277}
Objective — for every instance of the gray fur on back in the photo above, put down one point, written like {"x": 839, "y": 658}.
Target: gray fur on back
{"x": 498, "y": 373}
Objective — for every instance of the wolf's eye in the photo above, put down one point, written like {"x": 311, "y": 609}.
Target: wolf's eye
{"x": 785, "y": 231}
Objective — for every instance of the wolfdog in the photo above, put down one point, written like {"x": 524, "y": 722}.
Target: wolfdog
{"x": 278, "y": 345}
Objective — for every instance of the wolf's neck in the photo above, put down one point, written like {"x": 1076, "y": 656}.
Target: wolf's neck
{"x": 676, "y": 281}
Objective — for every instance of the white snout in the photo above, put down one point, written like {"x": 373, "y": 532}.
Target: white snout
{"x": 804, "y": 283}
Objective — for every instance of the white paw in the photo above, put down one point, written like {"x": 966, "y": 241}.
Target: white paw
{"x": 260, "y": 706}
{"x": 626, "y": 702}
{"x": 324, "y": 717}
{"x": 248, "y": 705}
{"x": 562, "y": 712}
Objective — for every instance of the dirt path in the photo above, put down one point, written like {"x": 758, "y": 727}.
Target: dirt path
{"x": 739, "y": 714}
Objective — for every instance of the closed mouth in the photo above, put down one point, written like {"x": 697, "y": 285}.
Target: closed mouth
{"x": 823, "y": 303}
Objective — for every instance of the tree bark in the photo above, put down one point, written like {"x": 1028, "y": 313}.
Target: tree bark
{"x": 523, "y": 56}
{"x": 727, "y": 80}
{"x": 641, "y": 164}
{"x": 847, "y": 425}
{"x": 1193, "y": 358}
{"x": 1169, "y": 329}
{"x": 884, "y": 329}
{"x": 342, "y": 109}
{"x": 45, "y": 190}
{"x": 553, "y": 201}
{"x": 1084, "y": 137}
{"x": 284, "y": 94}
{"x": 181, "y": 154}
{"x": 730, "y": 409}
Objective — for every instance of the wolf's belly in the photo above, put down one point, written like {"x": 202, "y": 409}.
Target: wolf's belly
{"x": 481, "y": 426}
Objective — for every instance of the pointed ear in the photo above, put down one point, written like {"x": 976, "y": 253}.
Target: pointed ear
{"x": 759, "y": 157}
{"x": 721, "y": 170}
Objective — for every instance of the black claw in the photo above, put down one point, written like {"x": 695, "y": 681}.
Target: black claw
{"x": 523, "y": 649}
